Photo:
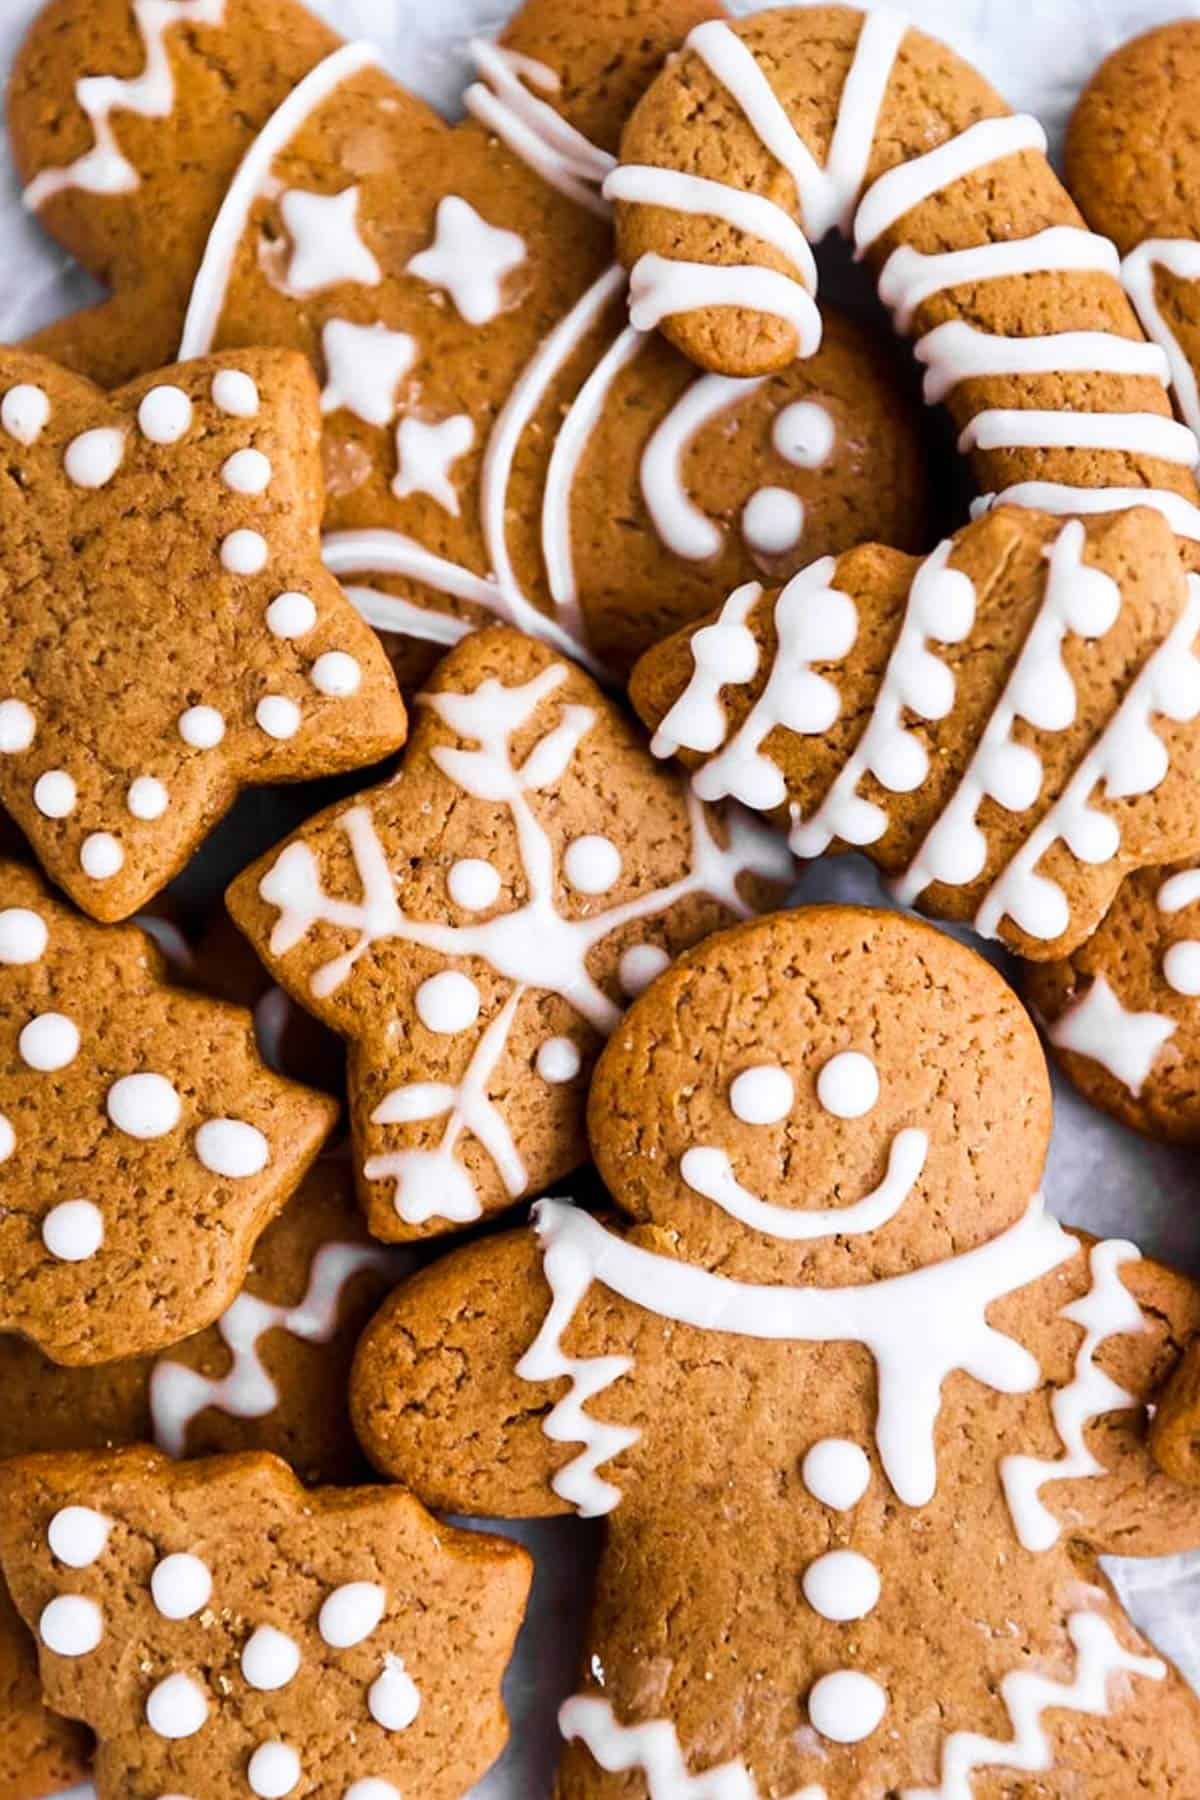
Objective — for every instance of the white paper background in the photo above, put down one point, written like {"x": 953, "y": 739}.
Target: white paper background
{"x": 1039, "y": 53}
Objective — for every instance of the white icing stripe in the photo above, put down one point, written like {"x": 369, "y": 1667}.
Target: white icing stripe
{"x": 1027, "y": 1697}
{"x": 753, "y": 214}
{"x": 956, "y": 352}
{"x": 724, "y": 652}
{"x": 1129, "y": 759}
{"x": 216, "y": 267}
{"x": 389, "y": 612}
{"x": 1138, "y": 434}
{"x": 1127, "y": 1044}
{"x": 907, "y": 185}
{"x": 910, "y": 276}
{"x": 708, "y": 1171}
{"x": 660, "y": 287}
{"x": 531, "y": 129}
{"x": 1106, "y": 1311}
{"x": 679, "y": 522}
{"x": 1181, "y": 257}
{"x": 104, "y": 169}
{"x": 951, "y": 1299}
{"x": 1182, "y": 515}
{"x": 1179, "y": 890}
{"x": 652, "y": 1749}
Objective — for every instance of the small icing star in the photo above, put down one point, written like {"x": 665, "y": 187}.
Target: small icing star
{"x": 469, "y": 258}
{"x": 326, "y": 247}
{"x": 427, "y": 453}
{"x": 364, "y": 366}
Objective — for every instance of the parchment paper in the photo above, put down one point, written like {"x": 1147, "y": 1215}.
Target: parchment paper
{"x": 1039, "y": 53}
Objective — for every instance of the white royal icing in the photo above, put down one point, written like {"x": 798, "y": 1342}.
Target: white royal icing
{"x": 842, "y": 1585}
{"x": 245, "y": 552}
{"x": 639, "y": 966}
{"x": 762, "y": 1095}
{"x": 273, "y": 1770}
{"x": 270, "y": 1659}
{"x": 17, "y": 727}
{"x": 1181, "y": 960}
{"x": 531, "y": 129}
{"x": 247, "y": 472}
{"x": 93, "y": 458}
{"x": 277, "y": 717}
{"x": 291, "y": 615}
{"x": 73, "y": 1230}
{"x": 427, "y": 453}
{"x": 836, "y": 1472}
{"x": 653, "y": 1750}
{"x": 336, "y": 674}
{"x": 181, "y": 1585}
{"x": 804, "y": 434}
{"x": 25, "y": 412}
{"x": 393, "y": 1698}
{"x": 235, "y": 393}
{"x": 679, "y": 522}
{"x": 469, "y": 259}
{"x": 773, "y": 521}
{"x": 232, "y": 1148}
{"x": 351, "y": 1613}
{"x": 78, "y": 1536}
{"x": 177, "y": 1708}
{"x": 101, "y": 856}
{"x": 327, "y": 246}
{"x": 473, "y": 884}
{"x": 143, "y": 1106}
{"x": 147, "y": 798}
{"x": 54, "y": 794}
{"x": 846, "y": 1706}
{"x": 165, "y": 415}
{"x": 1125, "y": 1043}
{"x": 49, "y": 1042}
{"x": 848, "y": 1085}
{"x": 558, "y": 1060}
{"x": 71, "y": 1625}
{"x": 1181, "y": 257}
{"x": 364, "y": 366}
{"x": 201, "y": 727}
{"x": 23, "y": 936}
{"x": 592, "y": 864}
{"x": 708, "y": 1171}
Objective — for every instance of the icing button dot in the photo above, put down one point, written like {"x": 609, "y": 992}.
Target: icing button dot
{"x": 181, "y": 1586}
{"x": 448, "y": 1002}
{"x": 73, "y": 1230}
{"x": 372, "y": 1789}
{"x": 351, "y": 1614}
{"x": 836, "y": 1472}
{"x": 291, "y": 615}
{"x": 804, "y": 434}
{"x": 558, "y": 1060}
{"x": 202, "y": 727}
{"x": 231, "y": 1147}
{"x": 165, "y": 415}
{"x": 392, "y": 1699}
{"x": 639, "y": 966}
{"x": 245, "y": 552}
{"x": 24, "y": 412}
{"x": 23, "y": 936}
{"x": 473, "y": 884}
{"x": 273, "y": 1770}
{"x": 143, "y": 1106}
{"x": 1181, "y": 967}
{"x": 270, "y": 1660}
{"x": 762, "y": 1096}
{"x": 92, "y": 459}
{"x": 101, "y": 856}
{"x": 8, "y": 1139}
{"x": 71, "y": 1625}
{"x": 773, "y": 521}
{"x": 17, "y": 727}
{"x": 592, "y": 864}
{"x": 49, "y": 1042}
{"x": 54, "y": 794}
{"x": 278, "y": 716}
{"x": 176, "y": 1708}
{"x": 147, "y": 798}
{"x": 848, "y": 1085}
{"x": 77, "y": 1536}
{"x": 846, "y": 1706}
{"x": 247, "y": 472}
{"x": 235, "y": 393}
{"x": 336, "y": 674}
{"x": 841, "y": 1585}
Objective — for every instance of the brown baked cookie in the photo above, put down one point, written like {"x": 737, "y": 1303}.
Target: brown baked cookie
{"x": 1006, "y": 728}
{"x": 1175, "y": 1431}
{"x": 852, "y": 121}
{"x": 143, "y": 1145}
{"x": 816, "y": 1381}
{"x": 497, "y": 443}
{"x": 474, "y": 926}
{"x": 225, "y": 1631}
{"x": 289, "y": 1039}
{"x": 1122, "y": 1010}
{"x": 169, "y": 635}
{"x": 40, "y": 1753}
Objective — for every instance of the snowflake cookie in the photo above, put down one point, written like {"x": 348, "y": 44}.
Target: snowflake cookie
{"x": 169, "y": 633}
{"x": 475, "y": 926}
{"x": 231, "y": 1635}
{"x": 839, "y": 1385}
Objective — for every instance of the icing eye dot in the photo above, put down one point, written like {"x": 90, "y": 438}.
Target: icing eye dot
{"x": 245, "y": 552}
{"x": 247, "y": 472}
{"x": 448, "y": 1002}
{"x": 392, "y": 1699}
{"x": 49, "y": 1042}
{"x": 848, "y": 1085}
{"x": 143, "y": 1106}
{"x": 235, "y": 393}
{"x": 278, "y": 716}
{"x": 165, "y": 415}
{"x": 639, "y": 966}
{"x": 177, "y": 1707}
{"x": 270, "y": 1660}
{"x": 473, "y": 884}
{"x": 77, "y": 1536}
{"x": 202, "y": 727}
{"x": 846, "y": 1706}
{"x": 92, "y": 459}
{"x": 336, "y": 674}
{"x": 762, "y": 1096}
{"x": 24, "y": 412}
{"x": 1181, "y": 967}
{"x": 17, "y": 727}
{"x": 73, "y": 1231}
{"x": 836, "y": 1472}
{"x": 23, "y": 936}
{"x": 773, "y": 521}
{"x": 71, "y": 1625}
{"x": 101, "y": 856}
{"x": 372, "y": 1789}
{"x": 351, "y": 1613}
{"x": 147, "y": 798}
{"x": 591, "y": 864}
{"x": 842, "y": 1585}
{"x": 291, "y": 615}
{"x": 181, "y": 1586}
{"x": 231, "y": 1147}
{"x": 558, "y": 1060}
{"x": 8, "y": 1139}
{"x": 804, "y": 435}
{"x": 54, "y": 794}
{"x": 273, "y": 1770}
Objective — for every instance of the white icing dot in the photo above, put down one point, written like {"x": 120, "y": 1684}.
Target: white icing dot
{"x": 92, "y": 459}
{"x": 49, "y": 1042}
{"x": 247, "y": 472}
{"x": 803, "y": 434}
{"x": 762, "y": 1096}
{"x": 8, "y": 1139}
{"x": 558, "y": 1060}
{"x": 17, "y": 727}
{"x": 54, "y": 794}
{"x": 270, "y": 1659}
{"x": 235, "y": 393}
{"x": 473, "y": 884}
{"x": 278, "y": 716}
{"x": 842, "y": 1585}
{"x": 165, "y": 415}
{"x": 202, "y": 727}
{"x": 1181, "y": 967}
{"x": 24, "y": 412}
{"x": 181, "y": 1586}
{"x": 448, "y": 1002}
{"x": 291, "y": 615}
{"x": 848, "y": 1085}
{"x": 639, "y": 966}
{"x": 73, "y": 1230}
{"x": 143, "y": 1106}
{"x": 592, "y": 864}
{"x": 23, "y": 935}
{"x": 846, "y": 1707}
{"x": 245, "y": 552}
{"x": 273, "y": 1771}
{"x": 147, "y": 798}
{"x": 71, "y": 1625}
{"x": 837, "y": 1473}
{"x": 773, "y": 521}
{"x": 231, "y": 1147}
{"x": 101, "y": 856}
{"x": 336, "y": 674}
{"x": 372, "y": 1789}
{"x": 351, "y": 1614}
{"x": 177, "y": 1707}
{"x": 392, "y": 1699}
{"x": 77, "y": 1536}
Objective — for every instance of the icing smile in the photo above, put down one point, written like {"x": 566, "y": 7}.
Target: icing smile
{"x": 708, "y": 1171}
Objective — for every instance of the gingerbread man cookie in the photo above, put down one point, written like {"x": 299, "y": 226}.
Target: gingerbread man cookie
{"x": 497, "y": 441}
{"x": 229, "y": 1634}
{"x": 475, "y": 926}
{"x": 838, "y": 1384}
{"x": 143, "y": 1144}
{"x": 170, "y": 635}
{"x": 1006, "y": 727}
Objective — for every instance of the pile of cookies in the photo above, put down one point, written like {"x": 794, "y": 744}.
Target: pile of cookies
{"x": 520, "y": 457}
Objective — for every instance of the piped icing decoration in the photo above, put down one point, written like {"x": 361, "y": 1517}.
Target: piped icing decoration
{"x": 273, "y": 1770}
{"x": 951, "y": 1298}
{"x": 709, "y": 1172}
{"x": 351, "y": 1613}
{"x": 836, "y": 1472}
{"x": 469, "y": 260}
{"x": 1181, "y": 959}
{"x": 78, "y": 1536}
{"x": 270, "y": 1659}
{"x": 71, "y": 1625}
{"x": 846, "y": 1706}
{"x": 534, "y": 946}
{"x": 177, "y": 1708}
{"x": 842, "y": 1585}
{"x": 507, "y": 100}
{"x": 762, "y": 1095}
{"x": 393, "y": 1698}
{"x": 24, "y": 936}
{"x": 677, "y": 519}
{"x": 427, "y": 453}
{"x": 25, "y": 412}
{"x": 144, "y": 1106}
{"x": 653, "y": 1750}
{"x": 165, "y": 415}
{"x": 93, "y": 458}
{"x": 327, "y": 245}
{"x": 49, "y": 1042}
{"x": 848, "y": 1085}
{"x": 1100, "y": 1027}
{"x": 1180, "y": 257}
{"x": 73, "y": 1230}
{"x": 181, "y": 1586}
{"x": 364, "y": 368}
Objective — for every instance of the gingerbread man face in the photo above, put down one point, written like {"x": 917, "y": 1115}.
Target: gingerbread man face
{"x": 497, "y": 441}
